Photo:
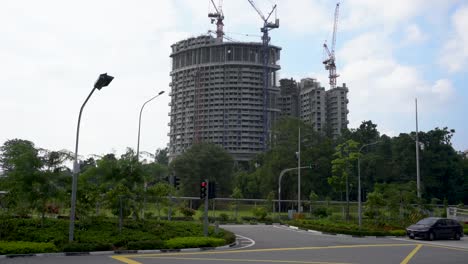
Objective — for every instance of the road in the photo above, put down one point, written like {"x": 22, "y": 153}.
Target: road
{"x": 279, "y": 244}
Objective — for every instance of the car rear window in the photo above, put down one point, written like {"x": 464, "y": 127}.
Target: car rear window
{"x": 427, "y": 221}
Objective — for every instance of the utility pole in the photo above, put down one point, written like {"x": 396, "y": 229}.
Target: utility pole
{"x": 205, "y": 219}
{"x": 299, "y": 171}
{"x": 418, "y": 179}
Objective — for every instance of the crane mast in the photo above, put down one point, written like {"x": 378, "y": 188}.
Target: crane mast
{"x": 329, "y": 62}
{"x": 267, "y": 26}
{"x": 219, "y": 17}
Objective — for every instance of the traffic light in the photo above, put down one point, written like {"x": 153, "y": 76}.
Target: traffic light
{"x": 211, "y": 190}
{"x": 203, "y": 187}
{"x": 176, "y": 182}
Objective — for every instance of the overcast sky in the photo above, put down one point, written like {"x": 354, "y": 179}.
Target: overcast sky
{"x": 388, "y": 53}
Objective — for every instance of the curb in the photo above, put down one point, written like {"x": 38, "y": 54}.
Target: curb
{"x": 116, "y": 252}
{"x": 336, "y": 234}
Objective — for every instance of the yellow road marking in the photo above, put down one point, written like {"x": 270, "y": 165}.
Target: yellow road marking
{"x": 125, "y": 260}
{"x": 411, "y": 254}
{"x": 250, "y": 260}
{"x": 446, "y": 247}
{"x": 269, "y": 250}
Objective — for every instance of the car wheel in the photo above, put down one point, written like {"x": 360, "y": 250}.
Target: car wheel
{"x": 411, "y": 237}
{"x": 456, "y": 236}
{"x": 431, "y": 236}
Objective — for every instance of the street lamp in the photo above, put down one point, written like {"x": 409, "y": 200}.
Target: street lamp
{"x": 359, "y": 181}
{"x": 139, "y": 122}
{"x": 279, "y": 184}
{"x": 103, "y": 81}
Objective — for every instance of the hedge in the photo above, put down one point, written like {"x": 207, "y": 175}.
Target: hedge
{"x": 193, "y": 242}
{"x": 100, "y": 234}
{"x": 348, "y": 229}
{"x": 21, "y": 247}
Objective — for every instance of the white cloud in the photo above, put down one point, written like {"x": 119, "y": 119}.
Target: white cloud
{"x": 383, "y": 89}
{"x": 414, "y": 35}
{"x": 454, "y": 54}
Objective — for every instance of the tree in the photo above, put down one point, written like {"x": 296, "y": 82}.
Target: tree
{"x": 236, "y": 194}
{"x": 204, "y": 161}
{"x": 313, "y": 197}
{"x": 345, "y": 156}
{"x": 161, "y": 156}
{"x": 159, "y": 193}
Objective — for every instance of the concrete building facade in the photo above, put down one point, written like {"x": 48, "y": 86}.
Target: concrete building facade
{"x": 217, "y": 95}
{"x": 337, "y": 109}
{"x": 288, "y": 99}
{"x": 326, "y": 110}
{"x": 313, "y": 104}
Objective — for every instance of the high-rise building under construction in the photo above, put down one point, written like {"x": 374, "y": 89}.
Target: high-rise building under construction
{"x": 217, "y": 95}
{"x": 325, "y": 110}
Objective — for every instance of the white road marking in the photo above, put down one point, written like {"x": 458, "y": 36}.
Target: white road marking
{"x": 462, "y": 244}
{"x": 249, "y": 240}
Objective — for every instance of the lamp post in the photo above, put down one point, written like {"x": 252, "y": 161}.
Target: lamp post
{"x": 359, "y": 182}
{"x": 299, "y": 171}
{"x": 279, "y": 184}
{"x": 103, "y": 81}
{"x": 418, "y": 176}
{"x": 139, "y": 122}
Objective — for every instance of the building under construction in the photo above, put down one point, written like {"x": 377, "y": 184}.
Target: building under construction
{"x": 217, "y": 95}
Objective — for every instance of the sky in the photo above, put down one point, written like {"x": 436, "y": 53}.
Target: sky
{"x": 388, "y": 53}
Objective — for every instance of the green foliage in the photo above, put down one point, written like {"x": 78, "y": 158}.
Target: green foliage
{"x": 22, "y": 247}
{"x": 393, "y": 201}
{"x": 187, "y": 212}
{"x": 204, "y": 161}
{"x": 321, "y": 212}
{"x": 193, "y": 242}
{"x": 97, "y": 233}
{"x": 346, "y": 228}
{"x": 86, "y": 247}
{"x": 260, "y": 213}
{"x": 146, "y": 244}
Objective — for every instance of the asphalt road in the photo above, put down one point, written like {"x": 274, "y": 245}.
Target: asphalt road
{"x": 277, "y": 244}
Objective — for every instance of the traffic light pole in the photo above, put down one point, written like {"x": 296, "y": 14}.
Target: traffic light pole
{"x": 205, "y": 220}
{"x": 169, "y": 211}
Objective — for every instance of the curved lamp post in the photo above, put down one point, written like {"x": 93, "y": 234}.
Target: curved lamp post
{"x": 103, "y": 81}
{"x": 139, "y": 123}
{"x": 359, "y": 182}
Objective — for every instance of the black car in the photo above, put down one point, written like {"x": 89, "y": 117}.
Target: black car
{"x": 434, "y": 228}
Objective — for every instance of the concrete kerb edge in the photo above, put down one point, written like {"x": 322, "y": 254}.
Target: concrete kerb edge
{"x": 116, "y": 252}
{"x": 335, "y": 234}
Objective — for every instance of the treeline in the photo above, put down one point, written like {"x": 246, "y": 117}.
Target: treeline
{"x": 39, "y": 180}
{"x": 443, "y": 171}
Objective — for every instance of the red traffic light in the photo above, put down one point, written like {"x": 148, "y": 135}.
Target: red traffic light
{"x": 203, "y": 184}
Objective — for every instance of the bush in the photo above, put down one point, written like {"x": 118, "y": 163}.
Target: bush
{"x": 86, "y": 247}
{"x": 224, "y": 217}
{"x": 149, "y": 244}
{"x": 345, "y": 228}
{"x": 193, "y": 242}
{"x": 321, "y": 212}
{"x": 21, "y": 247}
{"x": 260, "y": 213}
{"x": 187, "y": 212}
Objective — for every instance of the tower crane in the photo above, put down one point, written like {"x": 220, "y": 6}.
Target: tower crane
{"x": 219, "y": 17}
{"x": 267, "y": 26}
{"x": 329, "y": 62}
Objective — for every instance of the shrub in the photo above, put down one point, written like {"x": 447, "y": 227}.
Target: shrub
{"x": 297, "y": 216}
{"x": 187, "y": 212}
{"x": 85, "y": 247}
{"x": 148, "y": 244}
{"x": 224, "y": 217}
{"x": 21, "y": 247}
{"x": 321, "y": 212}
{"x": 193, "y": 242}
{"x": 260, "y": 213}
